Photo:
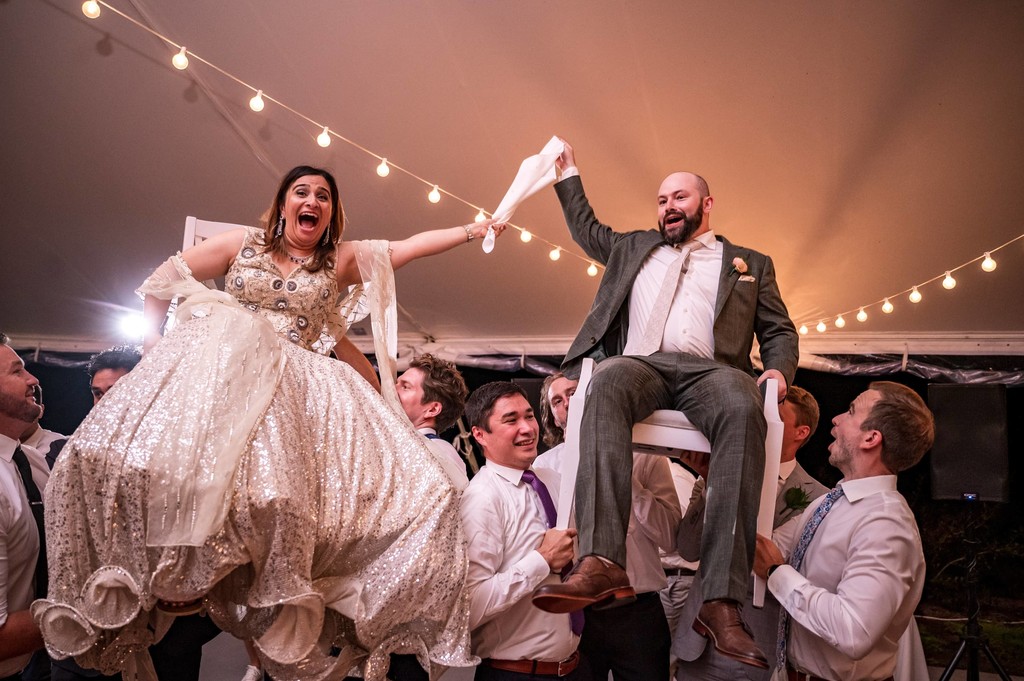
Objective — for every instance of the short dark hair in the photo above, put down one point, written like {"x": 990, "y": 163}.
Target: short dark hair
{"x": 553, "y": 434}
{"x": 905, "y": 422}
{"x": 806, "y": 408}
{"x": 442, "y": 383}
{"x": 4, "y": 340}
{"x": 481, "y": 402}
{"x": 118, "y": 357}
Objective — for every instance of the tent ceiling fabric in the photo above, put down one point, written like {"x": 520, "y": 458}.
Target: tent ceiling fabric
{"x": 866, "y": 146}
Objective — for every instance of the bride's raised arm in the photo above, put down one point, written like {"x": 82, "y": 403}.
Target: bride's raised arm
{"x": 423, "y": 244}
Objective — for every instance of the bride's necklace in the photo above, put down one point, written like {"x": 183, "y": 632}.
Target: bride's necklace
{"x": 296, "y": 260}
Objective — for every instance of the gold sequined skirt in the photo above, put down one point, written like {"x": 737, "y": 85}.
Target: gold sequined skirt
{"x": 340, "y": 530}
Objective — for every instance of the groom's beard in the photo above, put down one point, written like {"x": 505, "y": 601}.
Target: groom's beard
{"x": 683, "y": 230}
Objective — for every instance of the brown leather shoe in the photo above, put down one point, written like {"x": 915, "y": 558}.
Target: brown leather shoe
{"x": 594, "y": 581}
{"x": 720, "y": 622}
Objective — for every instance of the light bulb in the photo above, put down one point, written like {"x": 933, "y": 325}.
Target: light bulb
{"x": 480, "y": 217}
{"x": 133, "y": 325}
{"x": 988, "y": 264}
{"x": 887, "y": 307}
{"x": 803, "y": 329}
{"x": 555, "y": 253}
{"x": 862, "y": 316}
{"x": 383, "y": 169}
{"x": 256, "y": 103}
{"x": 821, "y": 327}
{"x": 180, "y": 60}
{"x": 525, "y": 236}
{"x": 324, "y": 138}
{"x": 592, "y": 270}
{"x": 840, "y": 322}
{"x": 91, "y": 8}
{"x": 949, "y": 282}
{"x": 435, "y": 195}
{"x": 915, "y": 296}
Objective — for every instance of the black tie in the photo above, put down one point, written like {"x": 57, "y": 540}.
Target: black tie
{"x": 35, "y": 501}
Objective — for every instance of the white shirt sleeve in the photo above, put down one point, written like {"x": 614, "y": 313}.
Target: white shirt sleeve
{"x": 879, "y": 568}
{"x": 492, "y": 587}
{"x": 655, "y": 502}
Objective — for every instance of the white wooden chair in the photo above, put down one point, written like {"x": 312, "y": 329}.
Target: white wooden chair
{"x": 668, "y": 433}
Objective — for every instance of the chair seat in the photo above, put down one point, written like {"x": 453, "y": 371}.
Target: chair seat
{"x": 669, "y": 418}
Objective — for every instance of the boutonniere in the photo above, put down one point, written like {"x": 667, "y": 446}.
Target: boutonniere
{"x": 796, "y": 499}
{"x": 739, "y": 266}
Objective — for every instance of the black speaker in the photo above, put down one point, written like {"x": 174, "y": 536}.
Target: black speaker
{"x": 970, "y": 455}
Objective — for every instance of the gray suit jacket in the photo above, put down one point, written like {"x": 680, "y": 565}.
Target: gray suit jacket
{"x": 689, "y": 646}
{"x": 741, "y": 312}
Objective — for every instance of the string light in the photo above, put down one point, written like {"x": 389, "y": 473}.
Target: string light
{"x": 803, "y": 329}
{"x": 949, "y": 283}
{"x": 821, "y": 327}
{"x": 592, "y": 270}
{"x": 862, "y": 316}
{"x": 480, "y": 215}
{"x": 887, "y": 307}
{"x": 555, "y": 253}
{"x": 988, "y": 264}
{"x": 324, "y": 138}
{"x": 256, "y": 103}
{"x": 840, "y": 322}
{"x": 180, "y": 60}
{"x": 915, "y": 296}
{"x": 91, "y": 8}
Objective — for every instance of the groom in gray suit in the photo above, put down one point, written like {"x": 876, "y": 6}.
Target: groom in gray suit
{"x": 672, "y": 327}
{"x": 797, "y": 489}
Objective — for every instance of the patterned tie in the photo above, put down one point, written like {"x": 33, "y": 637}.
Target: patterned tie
{"x": 35, "y": 502}
{"x": 654, "y": 330}
{"x": 796, "y": 558}
{"x": 575, "y": 618}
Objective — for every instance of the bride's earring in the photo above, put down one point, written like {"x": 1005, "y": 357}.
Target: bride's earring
{"x": 279, "y": 229}
{"x": 327, "y": 236}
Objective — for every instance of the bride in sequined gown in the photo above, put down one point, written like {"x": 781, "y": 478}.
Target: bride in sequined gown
{"x": 236, "y": 466}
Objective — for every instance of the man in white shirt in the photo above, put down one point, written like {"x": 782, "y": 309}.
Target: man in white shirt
{"x": 19, "y": 530}
{"x": 433, "y": 395}
{"x": 508, "y": 512}
{"x": 672, "y": 327}
{"x": 855, "y": 566}
{"x": 631, "y": 641}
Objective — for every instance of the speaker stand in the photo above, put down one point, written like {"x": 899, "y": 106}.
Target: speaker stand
{"x": 972, "y": 640}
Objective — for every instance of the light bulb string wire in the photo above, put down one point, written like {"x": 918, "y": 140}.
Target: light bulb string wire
{"x": 988, "y": 253}
{"x": 269, "y": 98}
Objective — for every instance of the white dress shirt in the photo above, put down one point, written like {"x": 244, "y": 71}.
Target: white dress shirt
{"x": 505, "y": 524}
{"x": 41, "y": 440}
{"x": 684, "y": 482}
{"x": 19, "y": 539}
{"x": 691, "y": 316}
{"x": 448, "y": 457}
{"x": 858, "y": 586}
{"x": 653, "y": 522}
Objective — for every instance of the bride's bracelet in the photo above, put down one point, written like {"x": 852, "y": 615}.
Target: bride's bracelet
{"x": 469, "y": 233}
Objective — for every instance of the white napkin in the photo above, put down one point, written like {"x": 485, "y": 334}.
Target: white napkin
{"x": 535, "y": 173}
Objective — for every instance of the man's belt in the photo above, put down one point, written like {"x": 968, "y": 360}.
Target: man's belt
{"x": 536, "y": 667}
{"x": 680, "y": 572}
{"x": 794, "y": 675}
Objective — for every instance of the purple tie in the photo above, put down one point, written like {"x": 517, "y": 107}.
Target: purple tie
{"x": 575, "y": 618}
